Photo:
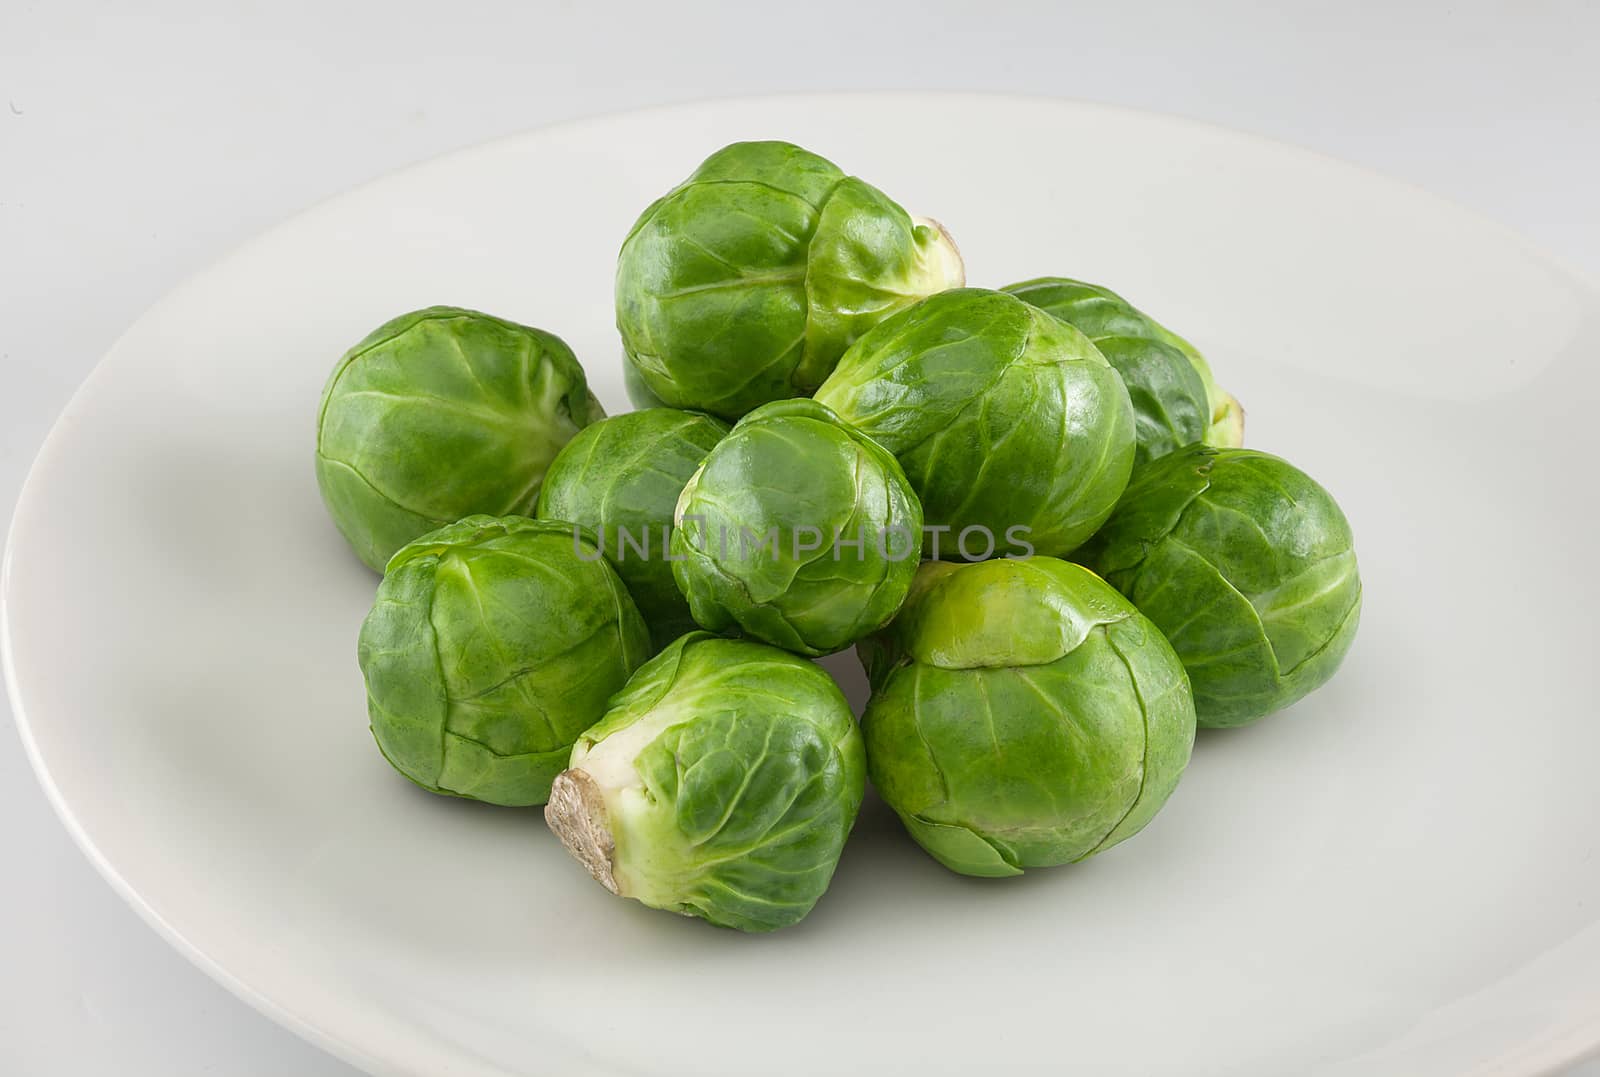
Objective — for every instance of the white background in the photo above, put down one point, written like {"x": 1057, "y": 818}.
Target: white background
{"x": 135, "y": 149}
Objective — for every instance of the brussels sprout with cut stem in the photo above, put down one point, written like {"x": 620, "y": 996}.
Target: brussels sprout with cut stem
{"x": 439, "y": 414}
{"x": 1249, "y": 568}
{"x": 493, "y": 643}
{"x": 1023, "y": 715}
{"x": 620, "y": 479}
{"x": 797, "y": 530}
{"x": 721, "y": 784}
{"x": 1005, "y": 419}
{"x": 1176, "y": 400}
{"x": 746, "y": 282}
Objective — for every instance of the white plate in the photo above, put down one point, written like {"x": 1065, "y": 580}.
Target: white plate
{"x": 1397, "y": 877}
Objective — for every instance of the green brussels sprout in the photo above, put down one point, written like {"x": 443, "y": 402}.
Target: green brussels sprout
{"x": 493, "y": 643}
{"x": 1023, "y": 715}
{"x": 746, "y": 282}
{"x": 620, "y": 479}
{"x": 1006, "y": 420}
{"x": 721, "y": 784}
{"x": 1176, "y": 399}
{"x": 440, "y": 414}
{"x": 1249, "y": 568}
{"x": 797, "y": 530}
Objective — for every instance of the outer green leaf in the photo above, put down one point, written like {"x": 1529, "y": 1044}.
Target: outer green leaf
{"x": 868, "y": 260}
{"x": 1169, "y": 399}
{"x": 781, "y": 166}
{"x": 440, "y": 414}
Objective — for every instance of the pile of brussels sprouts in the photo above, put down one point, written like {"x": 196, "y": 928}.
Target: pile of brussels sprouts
{"x": 1027, "y": 508}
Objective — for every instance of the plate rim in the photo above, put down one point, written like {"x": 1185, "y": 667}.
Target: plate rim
{"x": 1563, "y": 1049}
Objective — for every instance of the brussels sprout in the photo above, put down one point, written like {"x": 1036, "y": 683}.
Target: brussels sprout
{"x": 746, "y": 282}
{"x": 1249, "y": 568}
{"x": 620, "y": 479}
{"x": 1005, "y": 419}
{"x": 721, "y": 784}
{"x": 797, "y": 530}
{"x": 440, "y": 414}
{"x": 492, "y": 644}
{"x": 1023, "y": 714}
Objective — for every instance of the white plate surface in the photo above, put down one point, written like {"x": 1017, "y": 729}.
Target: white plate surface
{"x": 1399, "y": 876}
